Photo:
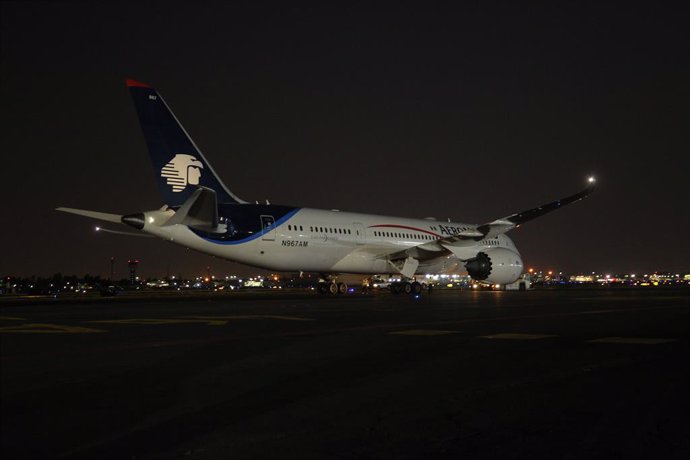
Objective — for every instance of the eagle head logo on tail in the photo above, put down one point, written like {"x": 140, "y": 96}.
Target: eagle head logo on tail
{"x": 183, "y": 169}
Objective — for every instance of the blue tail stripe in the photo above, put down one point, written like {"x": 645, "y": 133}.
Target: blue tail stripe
{"x": 256, "y": 235}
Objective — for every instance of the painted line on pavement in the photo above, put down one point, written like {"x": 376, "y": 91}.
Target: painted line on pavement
{"x": 156, "y": 321}
{"x": 232, "y": 317}
{"x": 632, "y": 340}
{"x": 423, "y": 332}
{"x": 37, "y": 328}
{"x": 518, "y": 336}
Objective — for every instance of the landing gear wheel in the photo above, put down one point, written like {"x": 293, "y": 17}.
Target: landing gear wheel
{"x": 322, "y": 288}
{"x": 407, "y": 288}
{"x": 332, "y": 288}
{"x": 416, "y": 288}
{"x": 342, "y": 288}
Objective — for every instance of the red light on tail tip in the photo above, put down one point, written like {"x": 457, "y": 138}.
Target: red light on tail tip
{"x": 139, "y": 84}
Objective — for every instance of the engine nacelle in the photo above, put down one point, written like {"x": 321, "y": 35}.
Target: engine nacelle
{"x": 495, "y": 266}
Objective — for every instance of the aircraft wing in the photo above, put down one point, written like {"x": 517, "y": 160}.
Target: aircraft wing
{"x": 462, "y": 244}
{"x": 505, "y": 224}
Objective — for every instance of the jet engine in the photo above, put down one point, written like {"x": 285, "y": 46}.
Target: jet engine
{"x": 495, "y": 266}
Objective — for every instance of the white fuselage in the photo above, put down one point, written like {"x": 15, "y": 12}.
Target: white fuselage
{"x": 314, "y": 240}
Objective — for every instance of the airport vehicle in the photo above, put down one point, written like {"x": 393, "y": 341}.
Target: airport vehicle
{"x": 201, "y": 213}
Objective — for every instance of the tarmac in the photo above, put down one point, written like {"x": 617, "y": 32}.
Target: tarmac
{"x": 564, "y": 373}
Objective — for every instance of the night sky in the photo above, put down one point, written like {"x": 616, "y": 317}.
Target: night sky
{"x": 471, "y": 113}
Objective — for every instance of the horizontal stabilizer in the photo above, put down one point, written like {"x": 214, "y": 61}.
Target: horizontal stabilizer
{"x": 200, "y": 212}
{"x": 115, "y": 218}
{"x": 117, "y": 232}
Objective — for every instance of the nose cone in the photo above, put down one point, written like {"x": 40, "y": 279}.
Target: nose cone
{"x": 134, "y": 220}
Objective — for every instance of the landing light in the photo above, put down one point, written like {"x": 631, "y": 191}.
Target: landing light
{"x": 150, "y": 219}
{"x": 98, "y": 229}
{"x": 591, "y": 179}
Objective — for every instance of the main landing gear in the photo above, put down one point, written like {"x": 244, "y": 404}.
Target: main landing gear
{"x": 332, "y": 288}
{"x": 406, "y": 287}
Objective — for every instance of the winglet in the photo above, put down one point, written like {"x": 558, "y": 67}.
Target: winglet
{"x": 139, "y": 84}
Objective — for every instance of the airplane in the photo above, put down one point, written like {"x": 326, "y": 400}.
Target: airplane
{"x": 201, "y": 213}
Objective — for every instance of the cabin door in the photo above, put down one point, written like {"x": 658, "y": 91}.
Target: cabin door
{"x": 268, "y": 228}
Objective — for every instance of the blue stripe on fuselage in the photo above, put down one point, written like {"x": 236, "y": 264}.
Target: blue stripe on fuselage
{"x": 256, "y": 235}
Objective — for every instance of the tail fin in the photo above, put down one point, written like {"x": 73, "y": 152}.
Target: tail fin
{"x": 178, "y": 163}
